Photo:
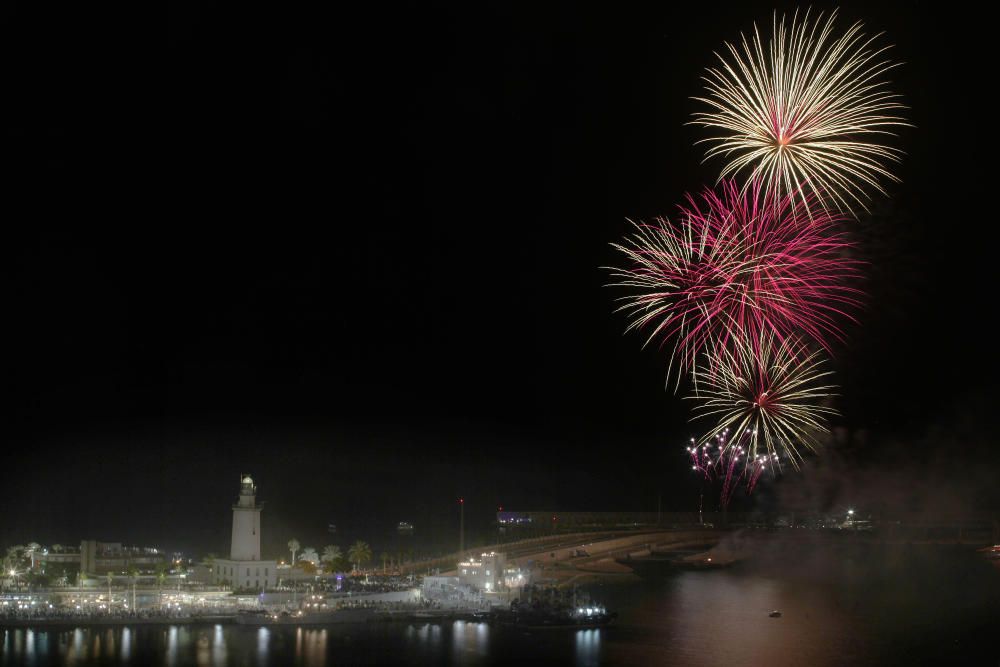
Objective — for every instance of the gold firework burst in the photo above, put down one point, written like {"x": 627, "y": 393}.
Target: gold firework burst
{"x": 810, "y": 112}
{"x": 769, "y": 393}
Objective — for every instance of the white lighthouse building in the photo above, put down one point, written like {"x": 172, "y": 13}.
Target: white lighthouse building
{"x": 244, "y": 569}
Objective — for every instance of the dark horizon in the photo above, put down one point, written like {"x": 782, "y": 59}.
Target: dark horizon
{"x": 367, "y": 247}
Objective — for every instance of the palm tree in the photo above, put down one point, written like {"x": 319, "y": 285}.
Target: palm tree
{"x": 57, "y": 548}
{"x": 161, "y": 578}
{"x": 133, "y": 572}
{"x": 359, "y": 553}
{"x": 331, "y": 553}
{"x": 31, "y": 550}
{"x": 309, "y": 554}
{"x": 293, "y": 546}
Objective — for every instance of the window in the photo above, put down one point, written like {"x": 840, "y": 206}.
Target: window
{"x": 265, "y": 572}
{"x": 248, "y": 574}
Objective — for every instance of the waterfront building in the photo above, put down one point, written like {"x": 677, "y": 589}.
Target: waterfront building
{"x": 485, "y": 573}
{"x": 94, "y": 557}
{"x": 244, "y": 568}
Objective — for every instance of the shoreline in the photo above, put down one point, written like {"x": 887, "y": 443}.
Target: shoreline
{"x": 113, "y": 622}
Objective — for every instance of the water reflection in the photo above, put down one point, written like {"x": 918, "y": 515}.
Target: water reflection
{"x": 698, "y": 618}
{"x": 202, "y": 650}
{"x": 171, "y": 646}
{"x": 77, "y": 650}
{"x": 126, "y": 645}
{"x": 469, "y": 638}
{"x": 109, "y": 642}
{"x": 588, "y": 647}
{"x": 314, "y": 653}
{"x": 218, "y": 647}
{"x": 263, "y": 639}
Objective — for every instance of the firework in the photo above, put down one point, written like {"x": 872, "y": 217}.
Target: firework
{"x": 718, "y": 459}
{"x": 756, "y": 465}
{"x": 768, "y": 390}
{"x": 737, "y": 266}
{"x": 810, "y": 112}
{"x": 702, "y": 460}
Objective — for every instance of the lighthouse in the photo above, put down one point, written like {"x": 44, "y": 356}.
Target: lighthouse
{"x": 246, "y": 523}
{"x": 244, "y": 570}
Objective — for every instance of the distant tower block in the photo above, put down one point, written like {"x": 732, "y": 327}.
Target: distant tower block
{"x": 246, "y": 523}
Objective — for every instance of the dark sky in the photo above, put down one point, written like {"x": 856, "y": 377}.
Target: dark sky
{"x": 357, "y": 254}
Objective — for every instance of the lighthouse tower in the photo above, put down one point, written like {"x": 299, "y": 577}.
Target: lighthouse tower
{"x": 246, "y": 523}
{"x": 244, "y": 570}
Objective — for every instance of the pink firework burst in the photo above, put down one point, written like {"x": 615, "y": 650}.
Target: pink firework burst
{"x": 729, "y": 461}
{"x": 739, "y": 264}
{"x": 756, "y": 466}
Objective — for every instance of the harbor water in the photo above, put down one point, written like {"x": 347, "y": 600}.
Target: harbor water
{"x": 855, "y": 605}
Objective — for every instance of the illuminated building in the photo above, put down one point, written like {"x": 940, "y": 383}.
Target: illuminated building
{"x": 484, "y": 574}
{"x": 244, "y": 569}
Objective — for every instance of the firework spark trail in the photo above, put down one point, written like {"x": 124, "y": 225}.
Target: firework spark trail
{"x": 756, "y": 467}
{"x": 719, "y": 459}
{"x": 701, "y": 460}
{"x": 808, "y": 113}
{"x": 738, "y": 266}
{"x": 770, "y": 390}
{"x": 731, "y": 472}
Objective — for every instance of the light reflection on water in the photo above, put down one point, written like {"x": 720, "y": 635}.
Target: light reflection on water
{"x": 218, "y": 647}
{"x": 310, "y": 647}
{"x": 588, "y": 647}
{"x": 469, "y": 639}
{"x": 126, "y": 653}
{"x": 458, "y": 642}
{"x": 263, "y": 637}
{"x": 864, "y": 612}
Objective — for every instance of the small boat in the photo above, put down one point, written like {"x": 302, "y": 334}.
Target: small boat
{"x": 775, "y": 613}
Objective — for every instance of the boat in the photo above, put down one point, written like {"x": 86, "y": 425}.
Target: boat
{"x": 551, "y": 607}
{"x": 548, "y": 619}
{"x": 774, "y": 613}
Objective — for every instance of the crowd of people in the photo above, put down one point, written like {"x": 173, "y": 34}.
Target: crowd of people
{"x": 385, "y": 584}
{"x": 384, "y": 605}
{"x": 47, "y": 612}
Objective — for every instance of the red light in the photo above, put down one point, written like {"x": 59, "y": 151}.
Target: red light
{"x": 461, "y": 501}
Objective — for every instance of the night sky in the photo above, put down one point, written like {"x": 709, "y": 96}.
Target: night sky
{"x": 358, "y": 254}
